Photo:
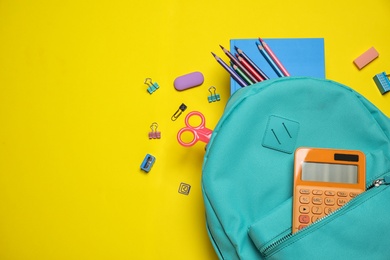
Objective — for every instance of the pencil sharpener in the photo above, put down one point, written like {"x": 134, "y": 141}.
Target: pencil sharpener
{"x": 148, "y": 162}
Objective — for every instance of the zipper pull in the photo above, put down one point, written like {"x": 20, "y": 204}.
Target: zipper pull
{"x": 384, "y": 181}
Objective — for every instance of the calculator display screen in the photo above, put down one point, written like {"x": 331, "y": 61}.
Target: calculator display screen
{"x": 325, "y": 172}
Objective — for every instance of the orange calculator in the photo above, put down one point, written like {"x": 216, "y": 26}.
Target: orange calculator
{"x": 324, "y": 180}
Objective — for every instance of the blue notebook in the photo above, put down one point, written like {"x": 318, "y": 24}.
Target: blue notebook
{"x": 300, "y": 56}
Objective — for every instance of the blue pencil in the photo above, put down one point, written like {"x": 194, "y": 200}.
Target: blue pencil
{"x": 269, "y": 60}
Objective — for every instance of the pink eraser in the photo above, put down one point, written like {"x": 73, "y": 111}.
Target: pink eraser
{"x": 370, "y": 55}
{"x": 189, "y": 80}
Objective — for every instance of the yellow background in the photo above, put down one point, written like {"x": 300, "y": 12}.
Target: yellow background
{"x": 75, "y": 114}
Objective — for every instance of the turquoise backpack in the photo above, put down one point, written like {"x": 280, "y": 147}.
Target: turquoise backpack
{"x": 247, "y": 178}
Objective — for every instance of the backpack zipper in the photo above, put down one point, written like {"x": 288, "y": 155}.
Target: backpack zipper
{"x": 376, "y": 183}
{"x": 384, "y": 181}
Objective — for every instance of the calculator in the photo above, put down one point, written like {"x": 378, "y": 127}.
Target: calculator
{"x": 324, "y": 180}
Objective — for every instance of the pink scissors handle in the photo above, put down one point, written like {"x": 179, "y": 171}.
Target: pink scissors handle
{"x": 200, "y": 132}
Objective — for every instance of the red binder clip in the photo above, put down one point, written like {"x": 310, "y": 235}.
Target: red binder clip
{"x": 154, "y": 134}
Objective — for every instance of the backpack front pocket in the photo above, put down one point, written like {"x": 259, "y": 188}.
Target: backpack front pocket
{"x": 358, "y": 230}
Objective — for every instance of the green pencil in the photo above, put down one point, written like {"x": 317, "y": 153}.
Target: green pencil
{"x": 242, "y": 74}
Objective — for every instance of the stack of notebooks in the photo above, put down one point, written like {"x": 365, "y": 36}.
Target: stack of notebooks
{"x": 299, "y": 56}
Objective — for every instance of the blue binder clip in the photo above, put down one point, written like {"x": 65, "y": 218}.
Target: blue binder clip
{"x": 382, "y": 82}
{"x": 147, "y": 163}
{"x": 151, "y": 86}
{"x": 213, "y": 95}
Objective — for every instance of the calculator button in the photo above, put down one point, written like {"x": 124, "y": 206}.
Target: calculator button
{"x": 341, "y": 202}
{"x": 304, "y": 209}
{"x": 304, "y": 191}
{"x": 316, "y": 210}
{"x": 304, "y": 219}
{"x": 353, "y": 194}
{"x": 317, "y": 200}
{"x": 329, "y": 201}
{"x": 301, "y": 226}
{"x": 328, "y": 210}
{"x": 317, "y": 192}
{"x": 342, "y": 194}
{"x": 315, "y": 218}
{"x": 329, "y": 193}
{"x": 304, "y": 199}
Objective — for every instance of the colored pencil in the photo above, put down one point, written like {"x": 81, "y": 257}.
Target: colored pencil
{"x": 232, "y": 73}
{"x": 247, "y": 59}
{"x": 236, "y": 62}
{"x": 269, "y": 60}
{"x": 242, "y": 74}
{"x": 249, "y": 68}
{"x": 274, "y": 58}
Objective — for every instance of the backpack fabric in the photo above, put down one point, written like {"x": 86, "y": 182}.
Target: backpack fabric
{"x": 247, "y": 175}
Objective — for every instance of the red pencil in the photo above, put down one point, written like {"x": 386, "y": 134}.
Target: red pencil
{"x": 274, "y": 58}
{"x": 250, "y": 68}
{"x": 248, "y": 60}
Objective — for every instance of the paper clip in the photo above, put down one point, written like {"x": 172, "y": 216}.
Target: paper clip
{"x": 382, "y": 82}
{"x": 181, "y": 109}
{"x": 151, "y": 86}
{"x": 213, "y": 96}
{"x": 184, "y": 188}
{"x": 154, "y": 134}
{"x": 148, "y": 162}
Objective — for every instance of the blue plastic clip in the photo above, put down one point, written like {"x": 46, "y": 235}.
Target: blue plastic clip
{"x": 147, "y": 163}
{"x": 151, "y": 86}
{"x": 214, "y": 96}
{"x": 382, "y": 82}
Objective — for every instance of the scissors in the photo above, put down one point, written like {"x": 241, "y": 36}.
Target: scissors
{"x": 200, "y": 132}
